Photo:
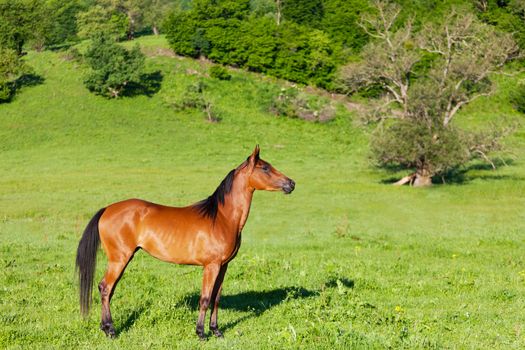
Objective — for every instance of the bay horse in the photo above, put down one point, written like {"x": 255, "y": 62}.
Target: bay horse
{"x": 207, "y": 233}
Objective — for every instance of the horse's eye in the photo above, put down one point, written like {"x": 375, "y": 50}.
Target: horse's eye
{"x": 265, "y": 168}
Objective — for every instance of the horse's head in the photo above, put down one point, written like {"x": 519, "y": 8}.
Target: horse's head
{"x": 263, "y": 176}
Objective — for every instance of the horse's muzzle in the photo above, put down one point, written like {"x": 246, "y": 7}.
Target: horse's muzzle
{"x": 289, "y": 186}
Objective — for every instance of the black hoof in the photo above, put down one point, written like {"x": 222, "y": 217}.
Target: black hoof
{"x": 109, "y": 330}
{"x": 217, "y": 333}
{"x": 200, "y": 334}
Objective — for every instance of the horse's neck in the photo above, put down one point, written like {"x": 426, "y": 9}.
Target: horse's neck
{"x": 236, "y": 206}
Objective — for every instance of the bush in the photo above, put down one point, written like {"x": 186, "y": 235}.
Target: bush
{"x": 517, "y": 98}
{"x": 293, "y": 104}
{"x": 113, "y": 68}
{"x": 11, "y": 69}
{"x": 219, "y": 72}
{"x": 72, "y": 54}
{"x": 195, "y": 98}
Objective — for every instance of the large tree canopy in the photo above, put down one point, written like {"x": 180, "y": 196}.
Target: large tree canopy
{"x": 427, "y": 77}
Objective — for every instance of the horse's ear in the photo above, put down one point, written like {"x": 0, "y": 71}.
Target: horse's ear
{"x": 254, "y": 157}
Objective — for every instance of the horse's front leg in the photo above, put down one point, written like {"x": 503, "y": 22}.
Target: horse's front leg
{"x": 215, "y": 297}
{"x": 211, "y": 271}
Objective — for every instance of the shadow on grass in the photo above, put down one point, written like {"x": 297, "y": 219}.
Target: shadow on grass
{"x": 13, "y": 87}
{"x": 254, "y": 302}
{"x": 461, "y": 176}
{"x": 258, "y": 302}
{"x": 62, "y": 47}
{"x": 149, "y": 85}
{"x": 335, "y": 282}
{"x": 132, "y": 318}
{"x": 28, "y": 80}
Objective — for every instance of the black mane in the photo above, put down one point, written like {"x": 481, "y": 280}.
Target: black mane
{"x": 210, "y": 206}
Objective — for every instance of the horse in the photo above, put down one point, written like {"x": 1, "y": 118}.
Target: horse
{"x": 207, "y": 233}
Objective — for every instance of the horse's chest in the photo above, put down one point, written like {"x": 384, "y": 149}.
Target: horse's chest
{"x": 236, "y": 248}
{"x": 230, "y": 248}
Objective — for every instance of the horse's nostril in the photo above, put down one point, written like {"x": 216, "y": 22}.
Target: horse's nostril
{"x": 288, "y": 186}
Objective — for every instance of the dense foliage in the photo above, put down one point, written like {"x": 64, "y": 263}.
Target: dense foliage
{"x": 297, "y": 49}
{"x": 113, "y": 68}
{"x": 21, "y": 21}
{"x": 304, "y": 41}
{"x": 99, "y": 19}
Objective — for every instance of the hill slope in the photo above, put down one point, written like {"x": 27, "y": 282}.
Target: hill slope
{"x": 345, "y": 261}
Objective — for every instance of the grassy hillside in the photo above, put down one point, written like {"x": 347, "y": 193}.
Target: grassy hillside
{"x": 346, "y": 261}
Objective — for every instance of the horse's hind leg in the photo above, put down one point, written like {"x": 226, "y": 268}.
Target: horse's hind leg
{"x": 107, "y": 287}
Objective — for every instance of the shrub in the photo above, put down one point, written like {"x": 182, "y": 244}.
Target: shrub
{"x": 11, "y": 69}
{"x": 113, "y": 67}
{"x": 72, "y": 54}
{"x": 517, "y": 98}
{"x": 195, "y": 98}
{"x": 219, "y": 72}
{"x": 293, "y": 104}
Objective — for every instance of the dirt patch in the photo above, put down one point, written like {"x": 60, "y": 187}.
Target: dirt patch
{"x": 159, "y": 52}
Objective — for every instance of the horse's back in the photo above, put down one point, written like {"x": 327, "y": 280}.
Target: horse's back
{"x": 119, "y": 226}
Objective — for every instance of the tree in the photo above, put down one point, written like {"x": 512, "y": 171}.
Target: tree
{"x": 113, "y": 68}
{"x": 184, "y": 34}
{"x": 101, "y": 20}
{"x": 132, "y": 10}
{"x": 20, "y": 22}
{"x": 62, "y": 24}
{"x": 154, "y": 13}
{"x": 11, "y": 68}
{"x": 507, "y": 16}
{"x": 428, "y": 77}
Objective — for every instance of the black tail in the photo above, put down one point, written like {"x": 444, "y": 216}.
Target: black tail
{"x": 86, "y": 261}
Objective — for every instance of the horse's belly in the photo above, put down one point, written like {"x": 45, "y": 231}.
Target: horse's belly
{"x": 188, "y": 248}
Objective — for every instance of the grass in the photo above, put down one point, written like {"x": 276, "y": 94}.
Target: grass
{"x": 346, "y": 261}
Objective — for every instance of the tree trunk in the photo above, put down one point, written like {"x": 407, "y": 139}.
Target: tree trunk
{"x": 278, "y": 4}
{"x": 406, "y": 180}
{"x": 155, "y": 30}
{"x": 423, "y": 179}
{"x": 131, "y": 28}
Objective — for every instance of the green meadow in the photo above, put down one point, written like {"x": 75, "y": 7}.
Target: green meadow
{"x": 347, "y": 261}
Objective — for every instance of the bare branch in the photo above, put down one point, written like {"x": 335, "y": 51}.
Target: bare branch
{"x": 460, "y": 104}
{"x": 487, "y": 159}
